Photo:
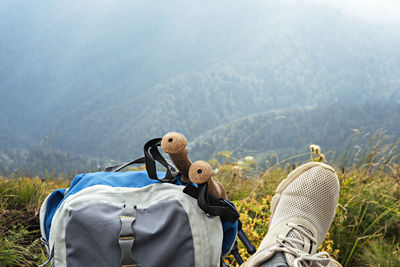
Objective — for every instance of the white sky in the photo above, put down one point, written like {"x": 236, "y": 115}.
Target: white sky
{"x": 377, "y": 11}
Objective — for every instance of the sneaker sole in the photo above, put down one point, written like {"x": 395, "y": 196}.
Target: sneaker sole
{"x": 290, "y": 178}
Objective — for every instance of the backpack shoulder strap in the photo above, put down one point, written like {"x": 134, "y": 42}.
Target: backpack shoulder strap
{"x": 151, "y": 156}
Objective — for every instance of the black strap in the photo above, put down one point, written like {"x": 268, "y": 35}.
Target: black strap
{"x": 119, "y": 167}
{"x": 211, "y": 205}
{"x": 151, "y": 155}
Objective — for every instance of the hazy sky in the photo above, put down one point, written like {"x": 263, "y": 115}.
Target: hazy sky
{"x": 378, "y": 11}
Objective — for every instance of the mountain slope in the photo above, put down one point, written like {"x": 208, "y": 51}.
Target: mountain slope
{"x": 286, "y": 133}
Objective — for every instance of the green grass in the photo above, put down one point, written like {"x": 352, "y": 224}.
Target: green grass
{"x": 20, "y": 200}
{"x": 381, "y": 252}
{"x": 21, "y": 247}
{"x": 365, "y": 231}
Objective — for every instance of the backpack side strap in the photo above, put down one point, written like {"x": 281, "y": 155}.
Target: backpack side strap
{"x": 126, "y": 236}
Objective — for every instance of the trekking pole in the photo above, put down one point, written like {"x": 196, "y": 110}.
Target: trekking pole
{"x": 251, "y": 249}
{"x": 174, "y": 144}
{"x": 236, "y": 254}
{"x": 200, "y": 172}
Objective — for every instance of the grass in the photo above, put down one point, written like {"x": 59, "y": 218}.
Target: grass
{"x": 365, "y": 231}
{"x": 20, "y": 199}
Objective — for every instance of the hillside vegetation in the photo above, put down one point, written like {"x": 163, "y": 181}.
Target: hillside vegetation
{"x": 278, "y": 133}
{"x": 365, "y": 231}
{"x": 287, "y": 132}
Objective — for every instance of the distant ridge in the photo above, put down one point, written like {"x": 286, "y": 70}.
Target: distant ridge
{"x": 287, "y": 132}
{"x": 282, "y": 133}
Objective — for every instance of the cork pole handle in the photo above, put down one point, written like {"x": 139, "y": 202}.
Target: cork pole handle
{"x": 200, "y": 172}
{"x": 174, "y": 144}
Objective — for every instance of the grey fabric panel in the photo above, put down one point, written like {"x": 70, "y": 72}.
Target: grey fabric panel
{"x": 92, "y": 236}
{"x": 168, "y": 238}
{"x": 162, "y": 236}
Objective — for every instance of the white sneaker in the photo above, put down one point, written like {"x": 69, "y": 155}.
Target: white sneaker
{"x": 302, "y": 211}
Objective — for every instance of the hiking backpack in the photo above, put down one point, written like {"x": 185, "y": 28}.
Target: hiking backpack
{"x": 135, "y": 218}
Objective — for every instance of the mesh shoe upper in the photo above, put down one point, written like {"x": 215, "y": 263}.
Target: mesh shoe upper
{"x": 313, "y": 195}
{"x": 302, "y": 211}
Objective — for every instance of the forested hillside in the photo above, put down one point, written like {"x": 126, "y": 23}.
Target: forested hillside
{"x": 284, "y": 133}
{"x": 277, "y": 133}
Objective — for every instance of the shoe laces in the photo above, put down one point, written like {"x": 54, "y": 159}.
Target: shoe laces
{"x": 291, "y": 246}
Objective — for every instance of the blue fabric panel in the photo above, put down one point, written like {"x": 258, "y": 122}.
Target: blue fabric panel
{"x": 133, "y": 179}
{"x": 52, "y": 203}
{"x": 230, "y": 233}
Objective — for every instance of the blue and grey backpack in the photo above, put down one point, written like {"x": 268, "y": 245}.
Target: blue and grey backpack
{"x": 135, "y": 218}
